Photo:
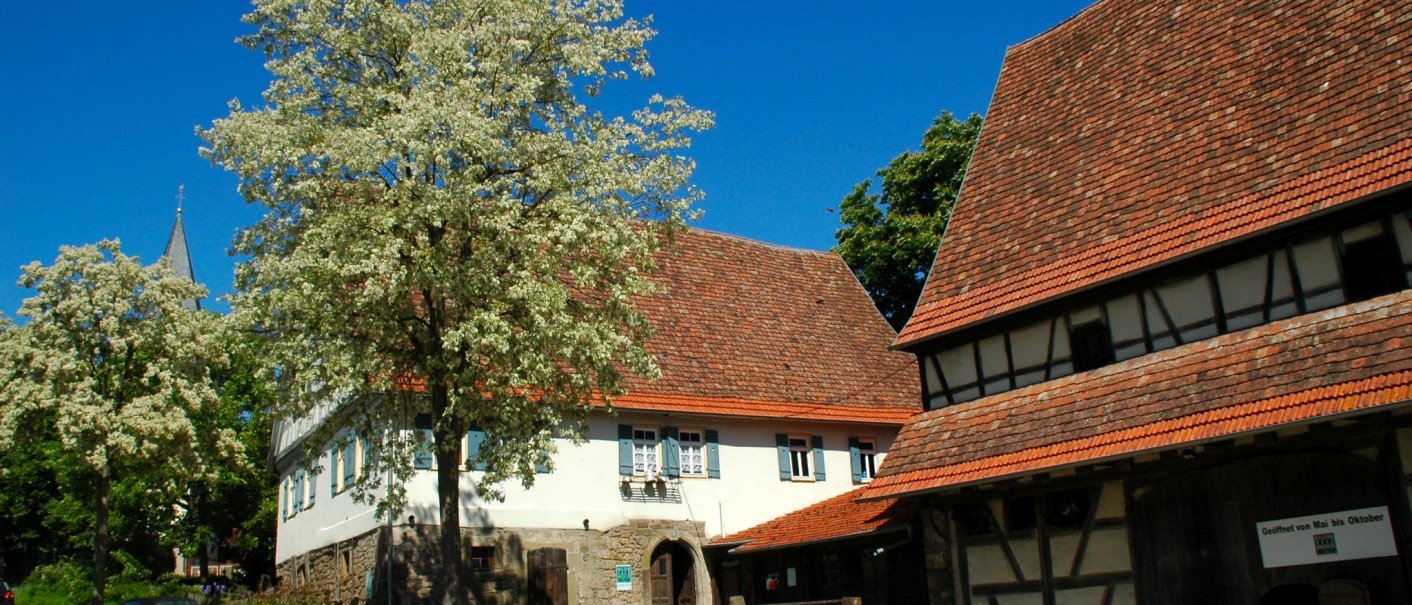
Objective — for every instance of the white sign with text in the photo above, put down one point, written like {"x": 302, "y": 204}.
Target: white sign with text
{"x": 1340, "y": 536}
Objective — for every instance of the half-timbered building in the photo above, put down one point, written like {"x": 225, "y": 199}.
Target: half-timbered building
{"x": 1165, "y": 343}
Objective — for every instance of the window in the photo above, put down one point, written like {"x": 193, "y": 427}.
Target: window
{"x": 1371, "y": 263}
{"x": 863, "y": 454}
{"x": 291, "y": 506}
{"x": 1092, "y": 345}
{"x": 693, "y": 453}
{"x": 482, "y": 558}
{"x": 309, "y": 484}
{"x": 801, "y": 457}
{"x": 424, "y": 457}
{"x": 650, "y": 452}
{"x": 645, "y": 461}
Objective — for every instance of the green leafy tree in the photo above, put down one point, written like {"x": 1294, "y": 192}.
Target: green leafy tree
{"x": 234, "y": 505}
{"x": 114, "y": 362}
{"x": 890, "y": 235}
{"x": 448, "y": 214}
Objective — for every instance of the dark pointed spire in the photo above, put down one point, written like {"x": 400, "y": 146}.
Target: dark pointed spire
{"x": 178, "y": 255}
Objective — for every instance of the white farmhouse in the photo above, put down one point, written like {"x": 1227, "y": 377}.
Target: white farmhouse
{"x": 777, "y": 391}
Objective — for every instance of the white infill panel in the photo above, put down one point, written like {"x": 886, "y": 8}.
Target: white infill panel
{"x": 1339, "y": 536}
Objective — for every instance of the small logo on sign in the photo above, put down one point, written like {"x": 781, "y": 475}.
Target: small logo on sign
{"x": 1324, "y": 545}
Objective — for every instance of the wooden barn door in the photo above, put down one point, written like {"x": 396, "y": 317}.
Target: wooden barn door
{"x": 548, "y": 576}
{"x": 1194, "y": 538}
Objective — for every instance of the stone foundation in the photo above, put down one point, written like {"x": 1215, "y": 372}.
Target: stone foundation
{"x": 346, "y": 572}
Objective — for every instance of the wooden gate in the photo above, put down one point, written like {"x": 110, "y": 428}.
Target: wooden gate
{"x": 548, "y": 576}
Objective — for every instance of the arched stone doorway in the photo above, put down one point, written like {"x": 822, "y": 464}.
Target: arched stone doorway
{"x": 1194, "y": 536}
{"x": 671, "y": 574}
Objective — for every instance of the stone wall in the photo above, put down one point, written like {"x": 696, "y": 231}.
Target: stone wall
{"x": 340, "y": 572}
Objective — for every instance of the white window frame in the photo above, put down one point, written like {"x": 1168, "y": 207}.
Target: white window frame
{"x": 868, "y": 458}
{"x": 646, "y": 442}
{"x": 689, "y": 448}
{"x": 307, "y": 491}
{"x": 801, "y": 458}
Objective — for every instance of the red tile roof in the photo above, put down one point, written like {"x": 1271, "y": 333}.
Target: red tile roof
{"x": 1140, "y": 132}
{"x": 838, "y": 517}
{"x": 747, "y": 408}
{"x": 752, "y": 329}
{"x": 1350, "y": 359}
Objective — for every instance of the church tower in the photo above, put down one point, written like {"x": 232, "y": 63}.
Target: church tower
{"x": 178, "y": 255}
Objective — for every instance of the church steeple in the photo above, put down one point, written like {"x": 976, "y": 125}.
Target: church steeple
{"x": 177, "y": 254}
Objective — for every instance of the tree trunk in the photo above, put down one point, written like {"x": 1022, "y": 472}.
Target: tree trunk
{"x": 448, "y": 482}
{"x": 201, "y": 508}
{"x": 100, "y": 536}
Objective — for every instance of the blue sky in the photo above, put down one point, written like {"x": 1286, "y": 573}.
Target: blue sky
{"x": 101, "y": 101}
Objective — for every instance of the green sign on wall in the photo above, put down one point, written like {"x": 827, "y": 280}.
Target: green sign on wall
{"x": 624, "y": 577}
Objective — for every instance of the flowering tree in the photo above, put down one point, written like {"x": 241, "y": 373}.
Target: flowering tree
{"x": 120, "y": 368}
{"x": 450, "y": 223}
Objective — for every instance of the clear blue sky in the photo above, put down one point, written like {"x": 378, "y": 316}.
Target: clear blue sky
{"x": 100, "y": 102}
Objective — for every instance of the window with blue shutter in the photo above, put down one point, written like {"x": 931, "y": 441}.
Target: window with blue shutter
{"x": 855, "y": 461}
{"x": 671, "y": 466}
{"x": 475, "y": 438}
{"x": 298, "y": 491}
{"x": 818, "y": 443}
{"x": 349, "y": 460}
{"x": 713, "y": 454}
{"x": 333, "y": 470}
{"x": 541, "y": 465}
{"x": 625, "y": 450}
{"x": 313, "y": 489}
{"x": 365, "y": 449}
{"x": 423, "y": 458}
{"x": 782, "y": 446}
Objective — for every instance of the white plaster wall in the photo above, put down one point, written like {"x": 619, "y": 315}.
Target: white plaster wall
{"x": 585, "y": 484}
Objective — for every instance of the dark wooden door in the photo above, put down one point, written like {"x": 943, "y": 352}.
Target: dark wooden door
{"x": 548, "y": 576}
{"x": 660, "y": 579}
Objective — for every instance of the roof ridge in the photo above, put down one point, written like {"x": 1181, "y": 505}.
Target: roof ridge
{"x": 760, "y": 243}
{"x": 1030, "y": 287}
{"x": 1339, "y": 399}
{"x": 1058, "y": 25}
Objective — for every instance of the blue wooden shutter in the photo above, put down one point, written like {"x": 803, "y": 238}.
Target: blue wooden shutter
{"x": 313, "y": 487}
{"x": 671, "y": 454}
{"x": 625, "y": 450}
{"x": 782, "y": 445}
{"x": 474, "y": 438}
{"x": 855, "y": 459}
{"x": 713, "y": 454}
{"x": 333, "y": 469}
{"x": 818, "y": 443}
{"x": 284, "y": 501}
{"x": 350, "y": 469}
